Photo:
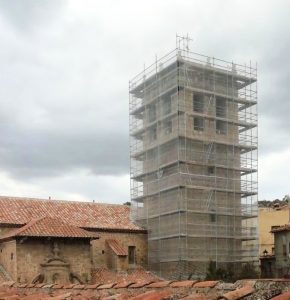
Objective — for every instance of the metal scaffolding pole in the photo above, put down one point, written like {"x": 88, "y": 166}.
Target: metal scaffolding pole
{"x": 193, "y": 149}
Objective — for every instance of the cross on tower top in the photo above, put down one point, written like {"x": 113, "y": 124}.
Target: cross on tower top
{"x": 183, "y": 42}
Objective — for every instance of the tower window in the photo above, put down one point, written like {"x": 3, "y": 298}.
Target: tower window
{"x": 198, "y": 124}
{"x": 168, "y": 127}
{"x": 213, "y": 216}
{"x": 166, "y": 106}
{"x": 151, "y": 113}
{"x": 210, "y": 170}
{"x": 221, "y": 107}
{"x": 152, "y": 134}
{"x": 221, "y": 127}
{"x": 131, "y": 254}
{"x": 284, "y": 250}
{"x": 198, "y": 104}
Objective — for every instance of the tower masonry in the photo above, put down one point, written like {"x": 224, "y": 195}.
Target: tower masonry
{"x": 193, "y": 149}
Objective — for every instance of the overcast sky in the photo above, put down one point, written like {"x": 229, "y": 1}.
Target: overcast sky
{"x": 64, "y": 72}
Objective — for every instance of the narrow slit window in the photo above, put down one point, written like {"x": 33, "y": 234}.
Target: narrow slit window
{"x": 221, "y": 127}
{"x": 151, "y": 113}
{"x": 210, "y": 170}
{"x": 168, "y": 127}
{"x": 166, "y": 106}
{"x": 152, "y": 134}
{"x": 284, "y": 250}
{"x": 131, "y": 255}
{"x": 198, "y": 104}
{"x": 198, "y": 124}
{"x": 221, "y": 107}
{"x": 213, "y": 216}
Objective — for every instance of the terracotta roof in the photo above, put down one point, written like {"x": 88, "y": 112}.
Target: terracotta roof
{"x": 117, "y": 248}
{"x": 206, "y": 284}
{"x": 183, "y": 290}
{"x": 136, "y": 275}
{"x": 285, "y": 227}
{"x": 19, "y": 211}
{"x": 49, "y": 227}
{"x": 284, "y": 296}
{"x": 239, "y": 293}
{"x": 153, "y": 295}
{"x": 185, "y": 283}
{"x": 159, "y": 284}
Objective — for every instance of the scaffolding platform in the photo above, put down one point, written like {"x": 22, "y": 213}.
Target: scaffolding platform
{"x": 193, "y": 149}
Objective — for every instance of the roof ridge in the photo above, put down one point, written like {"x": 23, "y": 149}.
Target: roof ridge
{"x": 102, "y": 216}
{"x": 63, "y": 223}
{"x": 35, "y": 221}
{"x": 60, "y": 201}
{"x": 116, "y": 247}
{"x": 23, "y": 228}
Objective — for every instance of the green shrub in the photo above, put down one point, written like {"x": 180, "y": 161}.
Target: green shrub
{"x": 231, "y": 273}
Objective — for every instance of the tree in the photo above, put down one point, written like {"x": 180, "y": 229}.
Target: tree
{"x": 286, "y": 198}
{"x": 248, "y": 271}
{"x": 231, "y": 273}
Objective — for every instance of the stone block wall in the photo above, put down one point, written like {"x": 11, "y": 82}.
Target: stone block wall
{"x": 115, "y": 262}
{"x": 100, "y": 253}
{"x": 8, "y": 258}
{"x": 4, "y": 229}
{"x": 269, "y": 217}
{"x": 31, "y": 253}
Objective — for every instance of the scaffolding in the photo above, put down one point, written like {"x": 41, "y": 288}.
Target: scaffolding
{"x": 193, "y": 149}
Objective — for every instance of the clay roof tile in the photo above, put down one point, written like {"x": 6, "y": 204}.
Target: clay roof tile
{"x": 159, "y": 284}
{"x": 61, "y": 297}
{"x": 106, "y": 286}
{"x": 49, "y": 227}
{"x": 153, "y": 295}
{"x": 19, "y": 211}
{"x": 122, "y": 285}
{"x": 92, "y": 286}
{"x": 117, "y": 248}
{"x": 79, "y": 287}
{"x": 196, "y": 296}
{"x": 140, "y": 284}
{"x": 185, "y": 283}
{"x": 239, "y": 293}
{"x": 284, "y": 296}
{"x": 205, "y": 284}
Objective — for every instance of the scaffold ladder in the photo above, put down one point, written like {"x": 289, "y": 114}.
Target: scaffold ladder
{"x": 209, "y": 150}
{"x": 209, "y": 199}
{"x": 210, "y": 102}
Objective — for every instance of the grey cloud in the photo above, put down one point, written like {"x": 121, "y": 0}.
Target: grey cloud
{"x": 264, "y": 38}
{"x": 62, "y": 108}
{"x": 26, "y": 15}
{"x": 64, "y": 75}
{"x": 30, "y": 154}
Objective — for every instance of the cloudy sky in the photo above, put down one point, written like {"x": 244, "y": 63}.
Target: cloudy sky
{"x": 65, "y": 67}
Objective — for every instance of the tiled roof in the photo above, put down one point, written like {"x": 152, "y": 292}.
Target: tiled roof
{"x": 49, "y": 227}
{"x": 238, "y": 293}
{"x": 102, "y": 216}
{"x": 133, "y": 276}
{"x": 2, "y": 277}
{"x": 281, "y": 228}
{"x": 284, "y": 296}
{"x": 251, "y": 290}
{"x": 117, "y": 248}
